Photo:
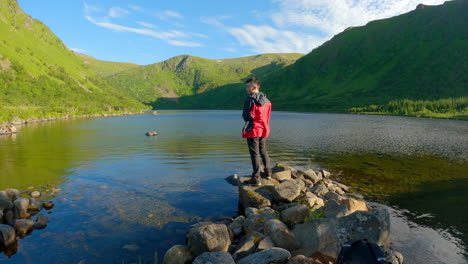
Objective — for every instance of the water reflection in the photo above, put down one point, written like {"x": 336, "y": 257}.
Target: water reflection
{"x": 125, "y": 195}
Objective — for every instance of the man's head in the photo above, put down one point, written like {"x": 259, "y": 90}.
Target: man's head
{"x": 253, "y": 85}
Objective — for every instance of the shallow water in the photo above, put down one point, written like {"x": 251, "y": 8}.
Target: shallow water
{"x": 126, "y": 196}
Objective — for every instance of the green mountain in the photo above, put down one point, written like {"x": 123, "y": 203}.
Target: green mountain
{"x": 104, "y": 68}
{"x": 188, "y": 75}
{"x": 40, "y": 77}
{"x": 412, "y": 64}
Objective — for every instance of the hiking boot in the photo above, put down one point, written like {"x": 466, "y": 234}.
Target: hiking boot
{"x": 266, "y": 174}
{"x": 254, "y": 181}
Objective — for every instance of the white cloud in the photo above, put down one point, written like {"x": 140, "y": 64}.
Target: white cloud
{"x": 78, "y": 50}
{"x": 333, "y": 16}
{"x": 266, "y": 39}
{"x": 168, "y": 14}
{"x": 172, "y": 37}
{"x": 88, "y": 9}
{"x": 117, "y": 12}
{"x": 145, "y": 24}
{"x": 136, "y": 8}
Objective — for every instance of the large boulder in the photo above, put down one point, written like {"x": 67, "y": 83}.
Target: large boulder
{"x": 327, "y": 235}
{"x": 208, "y": 237}
{"x": 256, "y": 218}
{"x": 281, "y": 235}
{"x": 247, "y": 245}
{"x": 256, "y": 196}
{"x": 237, "y": 226}
{"x": 178, "y": 254}
{"x": 333, "y": 209}
{"x": 7, "y": 235}
{"x": 270, "y": 255}
{"x": 214, "y": 258}
{"x": 13, "y": 194}
{"x": 354, "y": 205}
{"x": 21, "y": 208}
{"x": 295, "y": 215}
{"x": 23, "y": 227}
{"x": 319, "y": 189}
{"x": 288, "y": 191}
{"x": 282, "y": 175}
{"x": 5, "y": 203}
{"x": 311, "y": 175}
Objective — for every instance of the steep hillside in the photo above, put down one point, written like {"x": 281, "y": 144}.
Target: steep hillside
{"x": 413, "y": 64}
{"x": 40, "y": 77}
{"x": 104, "y": 68}
{"x": 188, "y": 75}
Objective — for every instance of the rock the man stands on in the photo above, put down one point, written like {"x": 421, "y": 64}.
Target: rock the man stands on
{"x": 256, "y": 114}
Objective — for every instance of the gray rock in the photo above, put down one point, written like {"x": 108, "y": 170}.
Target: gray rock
{"x": 295, "y": 215}
{"x": 311, "y": 175}
{"x": 36, "y": 194}
{"x": 8, "y": 236}
{"x": 247, "y": 245}
{"x": 8, "y": 217}
{"x": 13, "y": 194}
{"x": 5, "y": 203}
{"x": 326, "y": 235}
{"x": 332, "y": 196}
{"x": 270, "y": 255}
{"x": 220, "y": 257}
{"x": 178, "y": 254}
{"x": 319, "y": 189}
{"x": 208, "y": 238}
{"x": 1, "y": 217}
{"x": 354, "y": 205}
{"x": 23, "y": 227}
{"x": 237, "y": 226}
{"x": 325, "y": 174}
{"x": 41, "y": 222}
{"x": 308, "y": 183}
{"x": 314, "y": 203}
{"x": 254, "y": 196}
{"x": 265, "y": 243}
{"x": 281, "y": 235}
{"x": 21, "y": 208}
{"x": 288, "y": 191}
{"x": 333, "y": 209}
{"x": 233, "y": 179}
{"x": 256, "y": 218}
{"x": 282, "y": 175}
{"x": 342, "y": 186}
{"x": 35, "y": 205}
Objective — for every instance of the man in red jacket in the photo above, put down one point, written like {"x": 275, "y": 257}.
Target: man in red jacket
{"x": 256, "y": 114}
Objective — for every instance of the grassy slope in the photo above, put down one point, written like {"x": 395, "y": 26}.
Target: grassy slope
{"x": 188, "y": 75}
{"x": 421, "y": 55}
{"x": 105, "y": 68}
{"x": 39, "y": 76}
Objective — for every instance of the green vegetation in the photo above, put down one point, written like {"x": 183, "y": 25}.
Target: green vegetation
{"x": 104, "y": 68}
{"x": 418, "y": 56}
{"x": 443, "y": 108}
{"x": 188, "y": 75}
{"x": 40, "y": 77}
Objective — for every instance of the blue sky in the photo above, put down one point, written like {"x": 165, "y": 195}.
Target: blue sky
{"x": 150, "y": 31}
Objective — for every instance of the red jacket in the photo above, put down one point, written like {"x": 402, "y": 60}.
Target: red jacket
{"x": 256, "y": 114}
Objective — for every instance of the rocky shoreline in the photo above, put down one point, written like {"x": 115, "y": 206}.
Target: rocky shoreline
{"x": 8, "y": 128}
{"x": 20, "y": 214}
{"x": 297, "y": 217}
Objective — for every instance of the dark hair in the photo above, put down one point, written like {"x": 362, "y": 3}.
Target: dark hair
{"x": 253, "y": 80}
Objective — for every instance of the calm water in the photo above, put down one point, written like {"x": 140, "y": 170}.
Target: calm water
{"x": 126, "y": 197}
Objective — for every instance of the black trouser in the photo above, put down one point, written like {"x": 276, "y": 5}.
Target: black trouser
{"x": 258, "y": 153}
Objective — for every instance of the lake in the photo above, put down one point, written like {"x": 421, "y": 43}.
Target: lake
{"x": 127, "y": 198}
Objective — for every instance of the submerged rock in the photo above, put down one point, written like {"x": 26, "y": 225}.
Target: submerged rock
{"x": 151, "y": 133}
{"x": 214, "y": 258}
{"x": 23, "y": 227}
{"x": 8, "y": 235}
{"x": 208, "y": 237}
{"x": 41, "y": 222}
{"x": 178, "y": 254}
